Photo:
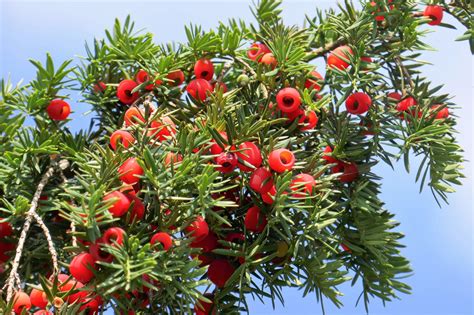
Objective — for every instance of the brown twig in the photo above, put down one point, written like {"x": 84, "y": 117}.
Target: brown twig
{"x": 321, "y": 51}
{"x": 404, "y": 72}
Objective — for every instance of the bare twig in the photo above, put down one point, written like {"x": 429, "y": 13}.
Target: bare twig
{"x": 10, "y": 283}
{"x": 321, "y": 51}
{"x": 404, "y": 72}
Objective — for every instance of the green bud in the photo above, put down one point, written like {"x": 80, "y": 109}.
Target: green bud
{"x": 243, "y": 79}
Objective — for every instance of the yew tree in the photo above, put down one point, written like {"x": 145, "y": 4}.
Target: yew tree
{"x": 223, "y": 168}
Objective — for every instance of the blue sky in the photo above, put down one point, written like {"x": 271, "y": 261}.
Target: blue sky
{"x": 439, "y": 241}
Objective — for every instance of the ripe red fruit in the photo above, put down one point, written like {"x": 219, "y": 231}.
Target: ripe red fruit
{"x": 163, "y": 128}
{"x": 328, "y": 158}
{"x": 269, "y": 60}
{"x": 99, "y": 254}
{"x": 312, "y": 82}
{"x": 142, "y": 77}
{"x": 82, "y": 266}
{"x": 134, "y": 116}
{"x": 99, "y": 87}
{"x": 114, "y": 236}
{"x": 257, "y": 50}
{"x": 172, "y": 157}
{"x": 58, "y": 109}
{"x": 42, "y": 312}
{"x": 163, "y": 238}
{"x": 255, "y": 220}
{"x": 204, "y": 69}
{"x": 120, "y": 206}
{"x": 226, "y": 161}
{"x": 435, "y": 13}
{"x": 293, "y": 115}
{"x": 441, "y": 114}
{"x": 198, "y": 229}
{"x": 91, "y": 305}
{"x": 4, "y": 249}
{"x": 281, "y": 160}
{"x": 405, "y": 104}
{"x": 130, "y": 171}
{"x": 177, "y": 76}
{"x": 215, "y": 147}
{"x": 21, "y": 302}
{"x": 349, "y": 171}
{"x": 220, "y": 270}
{"x": 394, "y": 96}
{"x": 205, "y": 308}
{"x": 288, "y": 99}
{"x": 358, "y": 103}
{"x": 208, "y": 244}
{"x": 124, "y": 92}
{"x": 122, "y": 136}
{"x": 340, "y": 57}
{"x": 138, "y": 208}
{"x": 250, "y": 153}
{"x": 38, "y": 298}
{"x": 198, "y": 89}
{"x": 269, "y": 196}
{"x": 302, "y": 185}
{"x": 5, "y": 228}
{"x": 261, "y": 180}
{"x": 219, "y": 85}
{"x": 308, "y": 121}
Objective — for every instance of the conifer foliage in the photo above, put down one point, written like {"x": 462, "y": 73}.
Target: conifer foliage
{"x": 223, "y": 168}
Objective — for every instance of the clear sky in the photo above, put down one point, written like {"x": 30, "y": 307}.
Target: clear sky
{"x": 439, "y": 241}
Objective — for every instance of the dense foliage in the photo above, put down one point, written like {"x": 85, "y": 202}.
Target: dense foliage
{"x": 224, "y": 167}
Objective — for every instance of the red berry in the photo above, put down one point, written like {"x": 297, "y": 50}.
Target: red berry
{"x": 134, "y": 116}
{"x": 21, "y": 302}
{"x": 308, "y": 121}
{"x": 208, "y": 244}
{"x": 215, "y": 147}
{"x": 5, "y": 229}
{"x": 405, "y": 104}
{"x": 250, "y": 153}
{"x": 120, "y": 206}
{"x": 226, "y": 161}
{"x": 204, "y": 69}
{"x": 198, "y": 89}
{"x": 99, "y": 87}
{"x": 96, "y": 251}
{"x": 281, "y": 160}
{"x": 257, "y": 50}
{"x": 122, "y": 136}
{"x": 130, "y": 171}
{"x": 349, "y": 171}
{"x": 43, "y": 312}
{"x": 4, "y": 249}
{"x": 162, "y": 129}
{"x": 269, "y": 196}
{"x": 124, "y": 92}
{"x": 255, "y": 220}
{"x": 358, "y": 103}
{"x": 205, "y": 308}
{"x": 219, "y": 85}
{"x": 293, "y": 115}
{"x": 142, "y": 77}
{"x": 441, "y": 114}
{"x": 394, "y": 96}
{"x": 38, "y": 298}
{"x": 163, "y": 238}
{"x": 340, "y": 57}
{"x": 261, "y": 180}
{"x": 176, "y": 76}
{"x": 82, "y": 266}
{"x": 302, "y": 185}
{"x": 435, "y": 13}
{"x": 138, "y": 209}
{"x": 198, "y": 229}
{"x": 172, "y": 157}
{"x": 91, "y": 305}
{"x": 312, "y": 82}
{"x": 113, "y": 236}
{"x": 58, "y": 109}
{"x": 220, "y": 270}
{"x": 269, "y": 60}
{"x": 288, "y": 100}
